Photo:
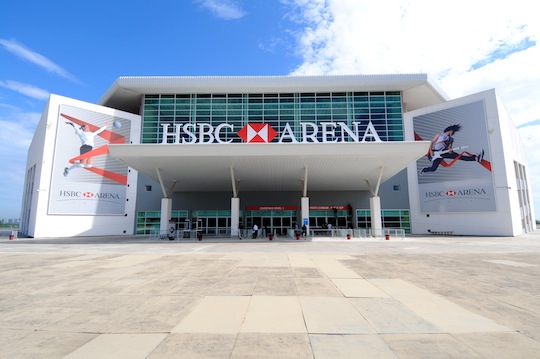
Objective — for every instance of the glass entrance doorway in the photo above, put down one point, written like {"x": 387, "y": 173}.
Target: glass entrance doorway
{"x": 336, "y": 216}
{"x": 212, "y": 223}
{"x": 277, "y": 220}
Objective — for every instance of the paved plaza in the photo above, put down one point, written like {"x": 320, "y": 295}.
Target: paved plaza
{"x": 132, "y": 297}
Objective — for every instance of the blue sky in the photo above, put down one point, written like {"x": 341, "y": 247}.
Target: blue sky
{"x": 77, "y": 49}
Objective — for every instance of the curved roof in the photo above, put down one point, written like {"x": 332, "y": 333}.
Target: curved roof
{"x": 418, "y": 89}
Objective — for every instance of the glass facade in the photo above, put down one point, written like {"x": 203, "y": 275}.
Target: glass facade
{"x": 391, "y": 218}
{"x": 281, "y": 111}
{"x": 383, "y": 109}
{"x": 148, "y": 221}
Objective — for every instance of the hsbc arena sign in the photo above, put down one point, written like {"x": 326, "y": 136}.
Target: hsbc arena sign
{"x": 324, "y": 132}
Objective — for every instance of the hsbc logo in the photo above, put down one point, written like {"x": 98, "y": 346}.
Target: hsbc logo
{"x": 89, "y": 195}
{"x": 257, "y": 133}
{"x": 472, "y": 192}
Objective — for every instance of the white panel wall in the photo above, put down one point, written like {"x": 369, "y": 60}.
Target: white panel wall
{"x": 505, "y": 147}
{"x": 41, "y": 153}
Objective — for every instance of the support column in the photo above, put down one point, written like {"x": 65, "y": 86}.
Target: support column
{"x": 235, "y": 204}
{"x": 235, "y": 213}
{"x": 305, "y": 212}
{"x": 376, "y": 219}
{"x": 166, "y": 211}
{"x": 305, "y": 201}
{"x": 375, "y": 206}
{"x": 166, "y": 204}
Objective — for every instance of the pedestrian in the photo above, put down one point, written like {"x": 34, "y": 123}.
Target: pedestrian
{"x": 255, "y": 231}
{"x": 240, "y": 230}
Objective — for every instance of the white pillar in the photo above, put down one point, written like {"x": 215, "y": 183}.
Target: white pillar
{"x": 376, "y": 220}
{"x": 235, "y": 213}
{"x": 166, "y": 211}
{"x": 305, "y": 212}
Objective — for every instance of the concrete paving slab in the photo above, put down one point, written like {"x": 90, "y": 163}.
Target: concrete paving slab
{"x": 275, "y": 285}
{"x": 510, "y": 263}
{"x": 273, "y": 314}
{"x": 301, "y": 260}
{"x": 218, "y": 315}
{"x": 236, "y": 286}
{"x": 358, "y": 288}
{"x": 429, "y": 346}
{"x": 276, "y": 260}
{"x": 119, "y": 346}
{"x": 195, "y": 346}
{"x": 129, "y": 260}
{"x": 501, "y": 345}
{"x": 387, "y": 315}
{"x": 316, "y": 287}
{"x": 332, "y": 268}
{"x": 40, "y": 344}
{"x": 442, "y": 313}
{"x": 325, "y": 315}
{"x": 282, "y": 345}
{"x": 350, "y": 347}
{"x": 306, "y": 272}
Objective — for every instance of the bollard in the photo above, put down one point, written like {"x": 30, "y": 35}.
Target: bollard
{"x": 387, "y": 237}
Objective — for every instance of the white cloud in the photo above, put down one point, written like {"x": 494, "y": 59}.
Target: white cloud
{"x": 26, "y": 89}
{"x": 37, "y": 59}
{"x": 466, "y": 46}
{"x": 223, "y": 9}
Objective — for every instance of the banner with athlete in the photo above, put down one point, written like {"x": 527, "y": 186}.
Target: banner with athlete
{"x": 86, "y": 180}
{"x": 455, "y": 175}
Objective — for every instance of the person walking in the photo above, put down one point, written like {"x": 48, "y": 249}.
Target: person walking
{"x": 255, "y": 231}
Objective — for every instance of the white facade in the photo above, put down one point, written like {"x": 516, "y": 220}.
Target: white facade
{"x": 44, "y": 175}
{"x": 509, "y": 215}
{"x": 488, "y": 197}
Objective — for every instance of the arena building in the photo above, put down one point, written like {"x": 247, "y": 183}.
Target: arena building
{"x": 174, "y": 156}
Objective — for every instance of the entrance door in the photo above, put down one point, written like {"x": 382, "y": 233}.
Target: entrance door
{"x": 212, "y": 223}
{"x": 276, "y": 221}
{"x": 338, "y": 218}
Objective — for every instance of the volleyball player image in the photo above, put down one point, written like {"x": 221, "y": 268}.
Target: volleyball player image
{"x": 87, "y": 144}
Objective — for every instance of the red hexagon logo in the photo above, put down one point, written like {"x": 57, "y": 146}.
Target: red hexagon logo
{"x": 257, "y": 133}
{"x": 88, "y": 195}
{"x": 451, "y": 193}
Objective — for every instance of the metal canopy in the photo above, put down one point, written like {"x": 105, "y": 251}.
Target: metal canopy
{"x": 270, "y": 166}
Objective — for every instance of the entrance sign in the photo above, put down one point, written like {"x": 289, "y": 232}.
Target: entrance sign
{"x": 325, "y": 132}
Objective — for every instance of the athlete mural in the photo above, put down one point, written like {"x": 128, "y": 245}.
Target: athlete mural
{"x": 86, "y": 179}
{"x": 455, "y": 174}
